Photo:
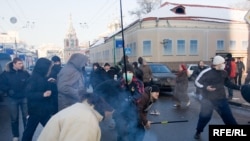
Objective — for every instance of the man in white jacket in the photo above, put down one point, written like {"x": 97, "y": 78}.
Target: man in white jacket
{"x": 78, "y": 122}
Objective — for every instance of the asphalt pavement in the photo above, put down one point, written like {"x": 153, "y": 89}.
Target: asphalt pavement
{"x": 238, "y": 100}
{"x": 5, "y": 130}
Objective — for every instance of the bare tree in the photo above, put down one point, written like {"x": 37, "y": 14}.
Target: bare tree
{"x": 145, "y": 6}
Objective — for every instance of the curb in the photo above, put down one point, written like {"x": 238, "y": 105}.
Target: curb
{"x": 244, "y": 105}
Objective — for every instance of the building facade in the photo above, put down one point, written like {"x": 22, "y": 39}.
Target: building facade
{"x": 179, "y": 33}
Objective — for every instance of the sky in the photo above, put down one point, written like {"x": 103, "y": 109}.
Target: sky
{"x": 47, "y": 21}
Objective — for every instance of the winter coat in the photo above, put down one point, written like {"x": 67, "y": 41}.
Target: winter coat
{"x": 143, "y": 106}
{"x": 70, "y": 81}
{"x": 53, "y": 74}
{"x": 147, "y": 73}
{"x": 138, "y": 73}
{"x": 240, "y": 66}
{"x": 97, "y": 76}
{"x": 217, "y": 79}
{"x": 181, "y": 86}
{"x": 14, "y": 81}
{"x": 36, "y": 86}
{"x": 78, "y": 122}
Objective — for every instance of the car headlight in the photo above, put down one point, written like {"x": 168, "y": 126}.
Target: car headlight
{"x": 155, "y": 79}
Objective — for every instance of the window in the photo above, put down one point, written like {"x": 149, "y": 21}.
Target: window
{"x": 232, "y": 45}
{"x": 220, "y": 45}
{"x": 167, "y": 47}
{"x": 193, "y": 47}
{"x": 181, "y": 47}
{"x": 146, "y": 48}
{"x": 179, "y": 10}
{"x": 106, "y": 54}
{"x": 245, "y": 45}
{"x": 133, "y": 49}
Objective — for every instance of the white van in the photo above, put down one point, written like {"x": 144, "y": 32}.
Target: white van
{"x": 191, "y": 68}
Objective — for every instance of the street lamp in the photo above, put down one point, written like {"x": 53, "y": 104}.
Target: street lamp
{"x": 85, "y": 26}
{"x": 13, "y": 20}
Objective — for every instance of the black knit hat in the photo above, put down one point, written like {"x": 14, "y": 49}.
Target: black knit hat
{"x": 56, "y": 59}
{"x": 155, "y": 88}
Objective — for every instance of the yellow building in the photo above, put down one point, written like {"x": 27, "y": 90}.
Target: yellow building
{"x": 179, "y": 33}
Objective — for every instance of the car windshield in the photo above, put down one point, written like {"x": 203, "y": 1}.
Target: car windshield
{"x": 159, "y": 69}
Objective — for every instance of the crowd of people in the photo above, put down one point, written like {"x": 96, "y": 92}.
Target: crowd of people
{"x": 57, "y": 97}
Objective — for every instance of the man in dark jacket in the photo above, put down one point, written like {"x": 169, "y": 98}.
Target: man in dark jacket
{"x": 53, "y": 80}
{"x": 196, "y": 72}
{"x": 38, "y": 93}
{"x": 212, "y": 82}
{"x": 13, "y": 81}
{"x": 144, "y": 104}
{"x": 122, "y": 96}
{"x": 241, "y": 69}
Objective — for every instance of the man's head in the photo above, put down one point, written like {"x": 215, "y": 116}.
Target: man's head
{"x": 228, "y": 57}
{"x": 154, "y": 93}
{"x": 17, "y": 64}
{"x": 140, "y": 60}
{"x": 107, "y": 66}
{"x": 56, "y": 60}
{"x": 129, "y": 71}
{"x": 219, "y": 62}
{"x": 201, "y": 64}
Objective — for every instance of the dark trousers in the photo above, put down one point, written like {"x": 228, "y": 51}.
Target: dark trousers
{"x": 206, "y": 111}
{"x": 230, "y": 91}
{"x": 14, "y": 105}
{"x": 32, "y": 124}
{"x": 238, "y": 78}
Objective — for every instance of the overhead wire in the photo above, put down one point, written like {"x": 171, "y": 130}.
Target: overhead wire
{"x": 101, "y": 13}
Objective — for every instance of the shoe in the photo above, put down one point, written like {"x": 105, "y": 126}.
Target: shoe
{"x": 15, "y": 139}
{"x": 188, "y": 103}
{"x": 230, "y": 98}
{"x": 197, "y": 135}
{"x": 177, "y": 105}
{"x": 155, "y": 112}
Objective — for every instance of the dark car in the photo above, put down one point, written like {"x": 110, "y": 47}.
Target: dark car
{"x": 163, "y": 77}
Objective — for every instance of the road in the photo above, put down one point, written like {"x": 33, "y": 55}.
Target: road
{"x": 159, "y": 132}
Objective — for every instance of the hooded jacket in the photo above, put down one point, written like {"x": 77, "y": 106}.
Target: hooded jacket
{"x": 14, "y": 81}
{"x": 70, "y": 81}
{"x": 37, "y": 85}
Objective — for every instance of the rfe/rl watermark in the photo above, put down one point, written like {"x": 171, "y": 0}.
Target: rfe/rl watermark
{"x": 219, "y": 132}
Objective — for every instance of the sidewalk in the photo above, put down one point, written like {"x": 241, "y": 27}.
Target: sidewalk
{"x": 238, "y": 100}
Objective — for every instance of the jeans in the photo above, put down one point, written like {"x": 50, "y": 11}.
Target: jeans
{"x": 222, "y": 108}
{"x": 14, "y": 105}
